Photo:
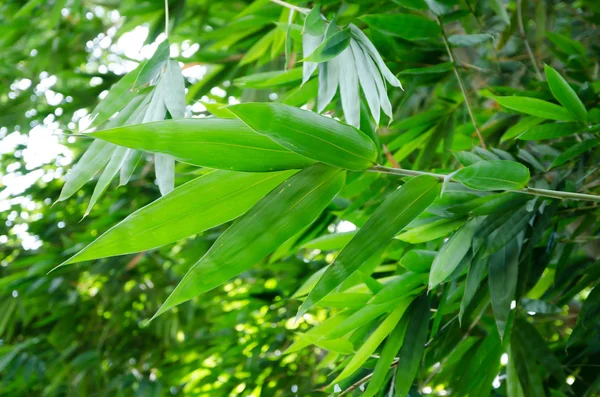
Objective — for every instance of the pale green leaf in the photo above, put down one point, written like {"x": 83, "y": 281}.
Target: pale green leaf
{"x": 494, "y": 175}
{"x": 564, "y": 94}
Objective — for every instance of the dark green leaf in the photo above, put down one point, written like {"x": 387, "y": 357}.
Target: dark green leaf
{"x": 467, "y": 40}
{"x": 502, "y": 276}
{"x": 330, "y": 47}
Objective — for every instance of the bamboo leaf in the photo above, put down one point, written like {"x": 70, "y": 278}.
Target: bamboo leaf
{"x": 523, "y": 125}
{"x": 314, "y": 24}
{"x": 534, "y": 107}
{"x": 418, "y": 261}
{"x": 349, "y": 88}
{"x": 282, "y": 213}
{"x": 406, "y": 26}
{"x": 551, "y": 131}
{"x": 502, "y": 277}
{"x": 409, "y": 358}
{"x": 475, "y": 276}
{"x": 365, "y": 74}
{"x": 215, "y": 143}
{"x": 494, "y": 175}
{"x": 113, "y": 166}
{"x": 452, "y": 253}
{"x": 330, "y": 47}
{"x": 310, "y": 134}
{"x": 309, "y": 44}
{"x": 219, "y": 197}
{"x": 151, "y": 69}
{"x": 468, "y": 40}
{"x": 399, "y": 209}
{"x": 498, "y": 7}
{"x": 329, "y": 78}
{"x": 564, "y": 94}
{"x": 575, "y": 151}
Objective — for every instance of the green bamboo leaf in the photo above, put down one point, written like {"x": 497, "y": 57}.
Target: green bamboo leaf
{"x": 258, "y": 49}
{"x": 564, "y": 94}
{"x": 537, "y": 347}
{"x": 498, "y": 7}
{"x": 398, "y": 210}
{"x": 330, "y": 242}
{"x": 330, "y": 47}
{"x": 477, "y": 270}
{"x": 467, "y": 158}
{"x": 451, "y": 254}
{"x": 402, "y": 286}
{"x": 270, "y": 79}
{"x": 131, "y": 159}
{"x": 318, "y": 332}
{"x": 575, "y": 151}
{"x": 314, "y": 23}
{"x": 209, "y": 142}
{"x": 430, "y": 231}
{"x": 113, "y": 166}
{"x": 388, "y": 354}
{"x": 439, "y": 68}
{"x": 411, "y": 352}
{"x": 551, "y": 131}
{"x": 534, "y": 107}
{"x": 468, "y": 40}
{"x": 309, "y": 44}
{"x": 329, "y": 79}
{"x": 513, "y": 385}
{"x": 219, "y": 197}
{"x": 310, "y": 134}
{"x": 93, "y": 160}
{"x": 282, "y": 213}
{"x": 374, "y": 340}
{"x": 503, "y": 273}
{"x": 406, "y": 26}
{"x": 523, "y": 125}
{"x": 528, "y": 371}
{"x": 509, "y": 230}
{"x": 494, "y": 175}
{"x": 151, "y": 69}
{"x": 418, "y": 261}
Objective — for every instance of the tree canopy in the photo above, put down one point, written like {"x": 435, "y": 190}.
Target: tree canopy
{"x": 271, "y": 198}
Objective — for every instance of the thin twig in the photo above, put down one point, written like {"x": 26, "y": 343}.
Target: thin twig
{"x": 291, "y": 6}
{"x": 460, "y": 83}
{"x": 167, "y": 18}
{"x": 527, "y": 190}
{"x": 524, "y": 38}
{"x": 389, "y": 157}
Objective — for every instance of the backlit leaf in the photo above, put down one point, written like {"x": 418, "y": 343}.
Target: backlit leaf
{"x": 330, "y": 47}
{"x": 502, "y": 277}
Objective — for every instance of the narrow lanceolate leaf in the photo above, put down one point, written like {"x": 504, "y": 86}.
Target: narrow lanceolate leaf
{"x": 388, "y": 354}
{"x": 564, "y": 94}
{"x": 411, "y": 353}
{"x": 151, "y": 69}
{"x": 365, "y": 74}
{"x": 164, "y": 168}
{"x": 551, "y": 131}
{"x": 406, "y": 26}
{"x": 374, "y": 340}
{"x": 349, "y": 88}
{"x": 214, "y": 143}
{"x": 292, "y": 206}
{"x": 173, "y": 90}
{"x": 330, "y": 47}
{"x": 310, "y": 134}
{"x": 467, "y": 40}
{"x": 509, "y": 230}
{"x": 523, "y": 125}
{"x": 475, "y": 276}
{"x": 498, "y": 7}
{"x": 95, "y": 157}
{"x": 314, "y": 24}
{"x": 113, "y": 166}
{"x": 502, "y": 277}
{"x": 329, "y": 79}
{"x": 418, "y": 261}
{"x": 528, "y": 371}
{"x": 452, "y": 253}
{"x": 370, "y": 49}
{"x": 118, "y": 97}
{"x": 513, "y": 385}
{"x": 575, "y": 151}
{"x": 218, "y": 197}
{"x": 397, "y": 211}
{"x": 309, "y": 44}
{"x": 494, "y": 175}
{"x": 534, "y": 107}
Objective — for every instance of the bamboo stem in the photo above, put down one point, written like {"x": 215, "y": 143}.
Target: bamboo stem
{"x": 167, "y": 18}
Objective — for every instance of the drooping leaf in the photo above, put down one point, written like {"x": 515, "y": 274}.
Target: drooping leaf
{"x": 282, "y": 213}
{"x": 215, "y": 143}
{"x": 309, "y": 44}
{"x": 406, "y": 26}
{"x": 314, "y": 23}
{"x": 498, "y": 7}
{"x": 411, "y": 353}
{"x": 502, "y": 277}
{"x": 399, "y": 209}
{"x": 550, "y": 131}
{"x": 468, "y": 40}
{"x": 310, "y": 134}
{"x": 534, "y": 107}
{"x": 349, "y": 88}
{"x": 475, "y": 276}
{"x": 151, "y": 69}
{"x": 365, "y": 71}
{"x": 575, "y": 151}
{"x": 112, "y": 168}
{"x": 494, "y": 175}
{"x": 418, "y": 261}
{"x": 430, "y": 231}
{"x": 219, "y": 197}
{"x": 452, "y": 253}
{"x": 330, "y": 47}
{"x": 564, "y": 94}
{"x": 329, "y": 78}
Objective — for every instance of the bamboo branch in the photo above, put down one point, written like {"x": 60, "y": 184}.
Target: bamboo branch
{"x": 291, "y": 6}
{"x": 524, "y": 38}
{"x": 460, "y": 83}
{"x": 527, "y": 190}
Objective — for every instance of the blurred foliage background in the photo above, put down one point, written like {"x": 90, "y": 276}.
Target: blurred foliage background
{"x": 82, "y": 331}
